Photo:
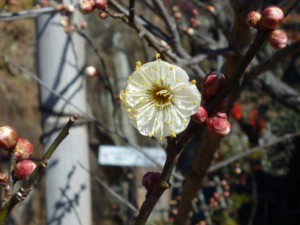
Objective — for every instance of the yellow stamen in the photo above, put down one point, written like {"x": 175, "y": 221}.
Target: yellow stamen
{"x": 174, "y": 135}
{"x": 157, "y": 55}
{"x": 194, "y": 82}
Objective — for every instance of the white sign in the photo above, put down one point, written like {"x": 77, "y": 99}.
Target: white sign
{"x": 113, "y": 155}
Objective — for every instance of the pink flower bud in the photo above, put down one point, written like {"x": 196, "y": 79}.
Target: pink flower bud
{"x": 226, "y": 194}
{"x": 200, "y": 116}
{"x": 23, "y": 169}
{"x": 83, "y": 25}
{"x": 23, "y": 150}
{"x": 150, "y": 179}
{"x": 253, "y": 18}
{"x": 8, "y": 138}
{"x": 271, "y": 17}
{"x": 218, "y": 125}
{"x": 195, "y": 12}
{"x": 212, "y": 83}
{"x": 3, "y": 178}
{"x": 277, "y": 39}
{"x": 86, "y": 7}
{"x": 194, "y": 22}
{"x": 100, "y": 4}
{"x": 91, "y": 71}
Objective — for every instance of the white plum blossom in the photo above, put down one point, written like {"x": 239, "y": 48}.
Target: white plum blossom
{"x": 159, "y": 99}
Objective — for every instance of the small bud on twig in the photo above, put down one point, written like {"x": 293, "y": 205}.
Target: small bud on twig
{"x": 23, "y": 169}
{"x": 271, "y": 17}
{"x": 23, "y": 150}
{"x": 253, "y": 18}
{"x": 200, "y": 116}
{"x": 278, "y": 39}
{"x": 218, "y": 124}
{"x": 8, "y": 138}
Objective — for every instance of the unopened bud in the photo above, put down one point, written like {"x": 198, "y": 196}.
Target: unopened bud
{"x": 212, "y": 83}
{"x": 100, "y": 4}
{"x": 178, "y": 16}
{"x": 194, "y": 22}
{"x": 150, "y": 179}
{"x": 86, "y": 7}
{"x": 200, "y": 116}
{"x": 23, "y": 169}
{"x": 271, "y": 17}
{"x": 253, "y": 18}
{"x": 190, "y": 31}
{"x": 277, "y": 39}
{"x": 8, "y": 138}
{"x": 3, "y": 178}
{"x": 23, "y": 150}
{"x": 83, "y": 25}
{"x": 195, "y": 12}
{"x": 91, "y": 71}
{"x": 218, "y": 125}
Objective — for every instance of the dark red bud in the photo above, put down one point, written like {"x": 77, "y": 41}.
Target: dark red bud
{"x": 23, "y": 150}
{"x": 150, "y": 179}
{"x": 271, "y": 17}
{"x": 23, "y": 169}
{"x": 8, "y": 138}
{"x": 212, "y": 83}
{"x": 278, "y": 39}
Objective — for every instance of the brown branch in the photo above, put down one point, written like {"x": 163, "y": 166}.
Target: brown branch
{"x": 131, "y": 11}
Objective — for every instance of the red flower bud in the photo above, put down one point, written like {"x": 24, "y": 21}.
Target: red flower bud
{"x": 212, "y": 83}
{"x": 23, "y": 150}
{"x": 23, "y": 169}
{"x": 218, "y": 125}
{"x": 150, "y": 179}
{"x": 86, "y": 7}
{"x": 253, "y": 18}
{"x": 100, "y": 4}
{"x": 8, "y": 138}
{"x": 277, "y": 39}
{"x": 200, "y": 116}
{"x": 3, "y": 178}
{"x": 271, "y": 17}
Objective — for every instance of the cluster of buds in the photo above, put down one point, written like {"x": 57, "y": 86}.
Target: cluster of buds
{"x": 88, "y": 6}
{"x": 218, "y": 123}
{"x": 70, "y": 27}
{"x": 268, "y": 21}
{"x": 19, "y": 148}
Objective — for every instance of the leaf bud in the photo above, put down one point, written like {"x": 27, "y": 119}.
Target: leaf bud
{"x": 23, "y": 169}
{"x": 271, "y": 17}
{"x": 23, "y": 150}
{"x": 8, "y": 138}
{"x": 200, "y": 116}
{"x": 277, "y": 39}
{"x": 253, "y": 18}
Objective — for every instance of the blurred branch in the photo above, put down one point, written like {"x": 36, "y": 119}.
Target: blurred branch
{"x": 242, "y": 155}
{"x": 8, "y": 16}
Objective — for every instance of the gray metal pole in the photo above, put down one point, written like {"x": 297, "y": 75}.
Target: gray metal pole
{"x": 60, "y": 60}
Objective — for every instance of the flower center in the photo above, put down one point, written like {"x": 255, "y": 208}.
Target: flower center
{"x": 162, "y": 95}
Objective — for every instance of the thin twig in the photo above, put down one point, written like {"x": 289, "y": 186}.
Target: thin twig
{"x": 131, "y": 11}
